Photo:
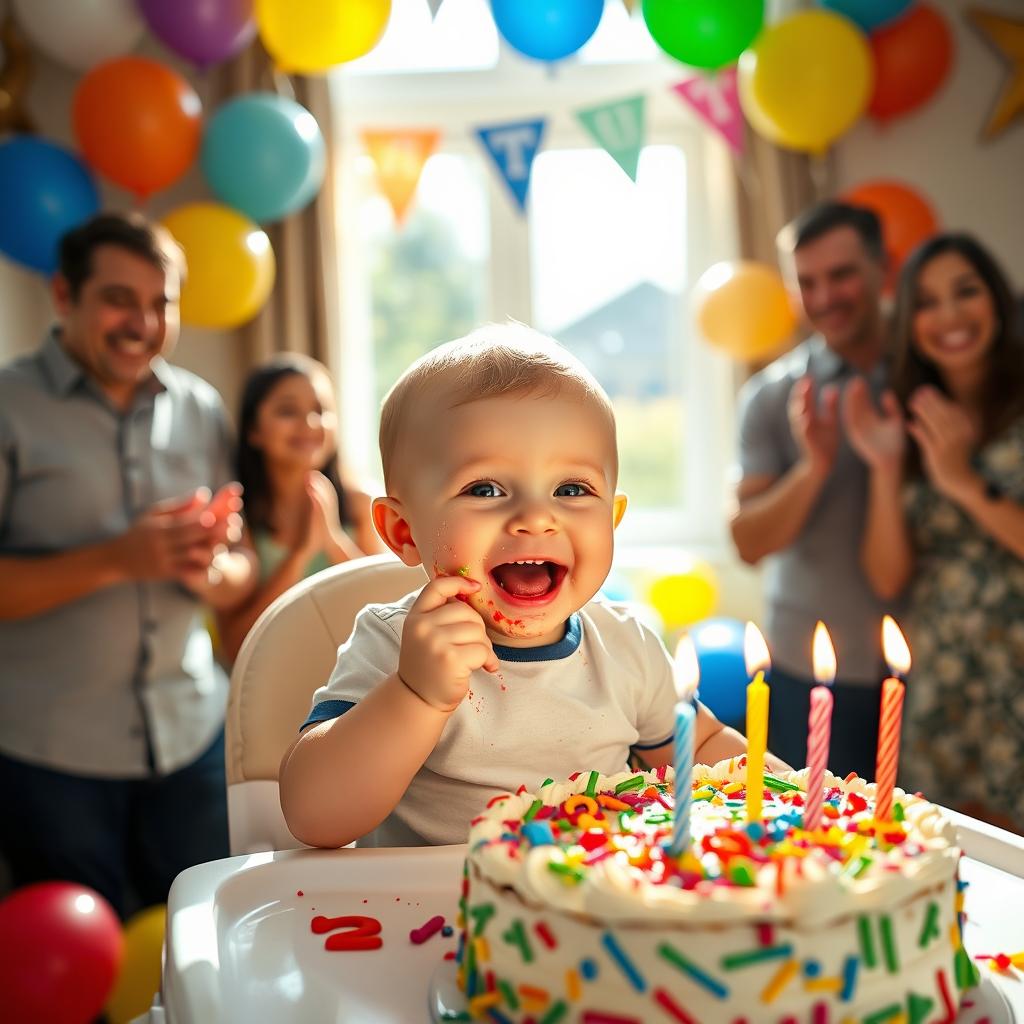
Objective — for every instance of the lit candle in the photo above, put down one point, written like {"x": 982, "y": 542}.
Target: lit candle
{"x": 687, "y": 675}
{"x": 819, "y": 724}
{"x": 897, "y": 657}
{"x": 755, "y": 655}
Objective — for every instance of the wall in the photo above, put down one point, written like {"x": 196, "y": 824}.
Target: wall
{"x": 25, "y": 309}
{"x": 973, "y": 184}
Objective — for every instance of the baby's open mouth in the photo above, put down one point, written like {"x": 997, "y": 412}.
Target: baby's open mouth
{"x": 529, "y": 579}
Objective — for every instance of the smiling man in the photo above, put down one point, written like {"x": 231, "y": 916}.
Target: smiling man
{"x": 802, "y": 491}
{"x": 116, "y": 503}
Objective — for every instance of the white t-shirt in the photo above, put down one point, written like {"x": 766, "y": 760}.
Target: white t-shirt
{"x": 576, "y": 705}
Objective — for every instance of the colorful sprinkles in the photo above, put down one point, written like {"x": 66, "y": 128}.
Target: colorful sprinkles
{"x": 632, "y": 822}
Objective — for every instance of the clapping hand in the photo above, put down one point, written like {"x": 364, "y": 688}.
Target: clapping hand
{"x": 443, "y": 642}
{"x": 946, "y": 436}
{"x": 816, "y": 430}
{"x": 878, "y": 436}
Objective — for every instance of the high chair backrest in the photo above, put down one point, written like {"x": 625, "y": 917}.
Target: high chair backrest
{"x": 289, "y": 652}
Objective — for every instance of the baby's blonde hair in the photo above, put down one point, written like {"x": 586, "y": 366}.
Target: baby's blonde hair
{"x": 493, "y": 360}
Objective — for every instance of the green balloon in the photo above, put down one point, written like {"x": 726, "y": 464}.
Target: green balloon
{"x": 704, "y": 33}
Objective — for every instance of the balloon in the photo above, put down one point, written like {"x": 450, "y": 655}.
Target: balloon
{"x": 138, "y": 123}
{"x": 15, "y": 72}
{"x": 547, "y": 29}
{"x": 912, "y": 59}
{"x": 264, "y": 155}
{"x": 617, "y": 587}
{"x": 200, "y": 31}
{"x": 704, "y": 33}
{"x": 139, "y": 978}
{"x": 743, "y": 308}
{"x": 907, "y": 217}
{"x": 44, "y": 192}
{"x": 806, "y": 80}
{"x": 60, "y": 948}
{"x": 230, "y": 265}
{"x": 869, "y": 14}
{"x": 723, "y": 672}
{"x": 315, "y": 35}
{"x": 684, "y": 597}
{"x": 82, "y": 34}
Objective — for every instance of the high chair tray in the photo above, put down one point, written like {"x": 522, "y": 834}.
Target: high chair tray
{"x": 241, "y": 947}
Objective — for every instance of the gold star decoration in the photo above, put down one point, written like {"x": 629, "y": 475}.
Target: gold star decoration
{"x": 1006, "y": 35}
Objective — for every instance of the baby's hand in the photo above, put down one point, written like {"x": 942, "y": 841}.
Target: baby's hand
{"x": 443, "y": 642}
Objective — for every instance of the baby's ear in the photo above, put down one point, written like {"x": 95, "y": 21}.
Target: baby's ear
{"x": 619, "y": 508}
{"x": 390, "y": 522}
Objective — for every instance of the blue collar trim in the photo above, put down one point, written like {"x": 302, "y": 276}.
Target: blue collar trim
{"x": 547, "y": 652}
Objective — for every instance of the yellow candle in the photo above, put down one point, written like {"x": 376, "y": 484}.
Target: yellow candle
{"x": 756, "y": 656}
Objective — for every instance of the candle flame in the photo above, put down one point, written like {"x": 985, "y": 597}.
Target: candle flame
{"x": 897, "y": 653}
{"x": 823, "y": 656}
{"x": 755, "y": 651}
{"x": 686, "y": 669}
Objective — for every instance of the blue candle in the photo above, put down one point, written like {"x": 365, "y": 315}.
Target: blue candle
{"x": 687, "y": 673}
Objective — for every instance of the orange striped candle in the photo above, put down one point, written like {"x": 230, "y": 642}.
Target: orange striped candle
{"x": 897, "y": 657}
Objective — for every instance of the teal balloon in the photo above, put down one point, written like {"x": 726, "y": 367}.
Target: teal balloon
{"x": 704, "y": 33}
{"x": 264, "y": 155}
{"x": 869, "y": 14}
{"x": 45, "y": 191}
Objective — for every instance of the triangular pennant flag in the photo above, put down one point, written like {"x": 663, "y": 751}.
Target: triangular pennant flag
{"x": 620, "y": 127}
{"x": 435, "y": 6}
{"x": 512, "y": 147}
{"x": 629, "y": 5}
{"x": 918, "y": 1008}
{"x": 399, "y": 156}
{"x": 717, "y": 102}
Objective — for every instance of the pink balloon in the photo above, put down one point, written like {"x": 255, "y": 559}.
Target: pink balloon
{"x": 60, "y": 951}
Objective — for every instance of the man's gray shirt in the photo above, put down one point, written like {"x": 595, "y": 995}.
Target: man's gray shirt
{"x": 122, "y": 681}
{"x": 819, "y": 575}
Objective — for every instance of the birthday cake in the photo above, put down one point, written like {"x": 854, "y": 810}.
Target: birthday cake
{"x": 580, "y": 905}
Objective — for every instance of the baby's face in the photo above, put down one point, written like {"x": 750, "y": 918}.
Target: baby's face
{"x": 518, "y": 493}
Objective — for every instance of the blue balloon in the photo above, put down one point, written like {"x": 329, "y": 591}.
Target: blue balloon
{"x": 617, "y": 588}
{"x": 869, "y": 14}
{"x": 264, "y": 155}
{"x": 723, "y": 672}
{"x": 45, "y": 191}
{"x": 547, "y": 29}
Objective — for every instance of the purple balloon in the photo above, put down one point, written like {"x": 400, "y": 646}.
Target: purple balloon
{"x": 202, "y": 31}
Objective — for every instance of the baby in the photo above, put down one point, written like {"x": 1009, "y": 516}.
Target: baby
{"x": 500, "y": 466}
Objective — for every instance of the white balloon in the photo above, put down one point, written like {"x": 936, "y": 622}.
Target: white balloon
{"x": 82, "y": 33}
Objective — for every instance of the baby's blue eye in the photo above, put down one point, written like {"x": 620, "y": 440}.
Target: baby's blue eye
{"x": 484, "y": 489}
{"x": 571, "y": 490}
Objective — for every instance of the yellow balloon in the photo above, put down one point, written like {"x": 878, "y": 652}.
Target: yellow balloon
{"x": 314, "y": 35}
{"x": 685, "y": 597}
{"x": 743, "y": 308}
{"x": 806, "y": 79}
{"x": 230, "y": 264}
{"x": 139, "y": 976}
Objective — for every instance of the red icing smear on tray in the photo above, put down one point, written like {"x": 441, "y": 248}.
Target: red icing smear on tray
{"x": 364, "y": 932}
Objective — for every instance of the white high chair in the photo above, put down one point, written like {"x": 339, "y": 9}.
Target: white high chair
{"x": 289, "y": 652}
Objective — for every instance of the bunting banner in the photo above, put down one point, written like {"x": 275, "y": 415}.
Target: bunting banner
{"x": 1006, "y": 36}
{"x": 435, "y": 6}
{"x": 717, "y": 103}
{"x": 629, "y": 5}
{"x": 399, "y": 156}
{"x": 620, "y": 128}
{"x": 512, "y": 146}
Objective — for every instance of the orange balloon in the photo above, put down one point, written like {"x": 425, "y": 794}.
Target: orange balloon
{"x": 907, "y": 217}
{"x": 912, "y": 59}
{"x": 138, "y": 123}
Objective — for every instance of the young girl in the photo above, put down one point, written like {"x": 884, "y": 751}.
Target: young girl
{"x": 299, "y": 517}
{"x": 946, "y": 523}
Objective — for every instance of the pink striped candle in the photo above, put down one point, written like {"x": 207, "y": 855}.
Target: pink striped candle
{"x": 819, "y": 724}
{"x": 897, "y": 657}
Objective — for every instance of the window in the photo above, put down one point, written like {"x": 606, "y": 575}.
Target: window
{"x": 600, "y": 262}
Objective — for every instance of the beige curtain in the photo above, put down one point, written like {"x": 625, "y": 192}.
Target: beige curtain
{"x": 298, "y": 316}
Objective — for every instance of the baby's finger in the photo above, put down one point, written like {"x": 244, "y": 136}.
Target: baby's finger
{"x": 481, "y": 655}
{"x": 441, "y": 589}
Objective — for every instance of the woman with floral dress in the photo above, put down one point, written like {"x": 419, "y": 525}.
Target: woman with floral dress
{"x": 946, "y": 523}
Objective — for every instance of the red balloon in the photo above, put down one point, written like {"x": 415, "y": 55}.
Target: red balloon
{"x": 60, "y": 951}
{"x": 912, "y": 59}
{"x": 907, "y": 217}
{"x": 138, "y": 123}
